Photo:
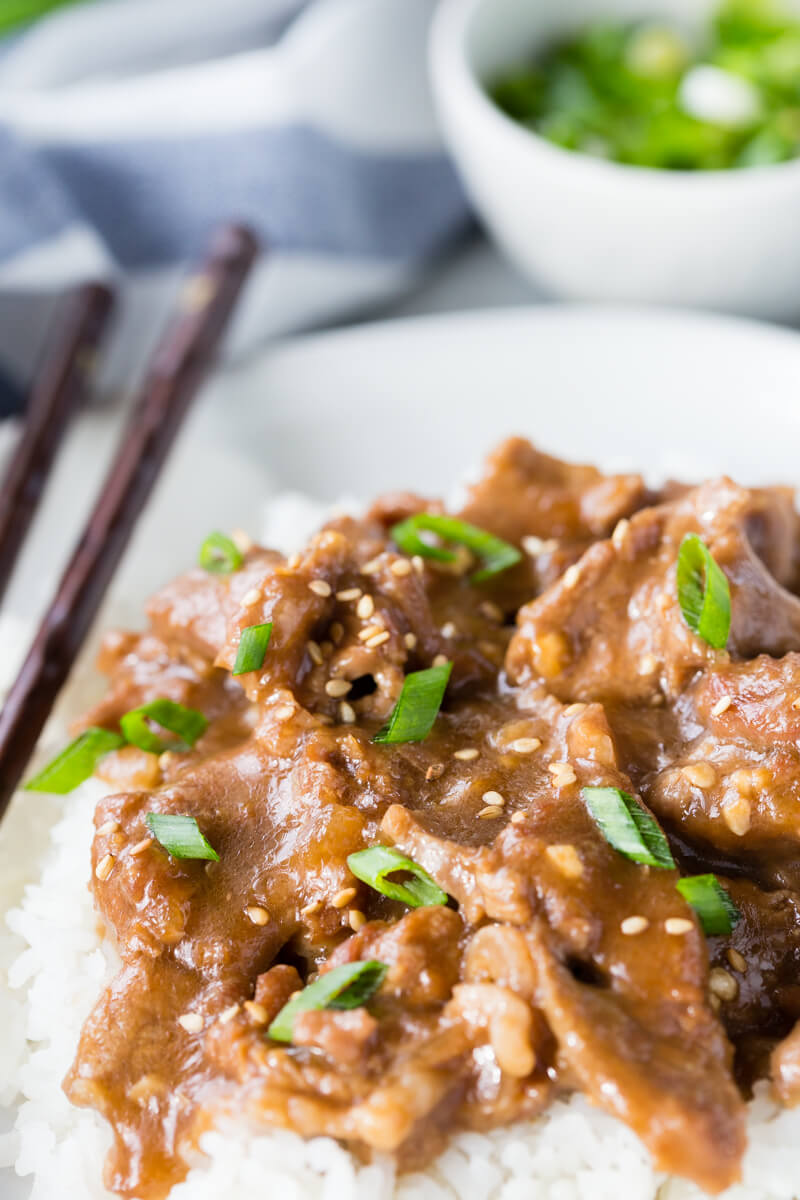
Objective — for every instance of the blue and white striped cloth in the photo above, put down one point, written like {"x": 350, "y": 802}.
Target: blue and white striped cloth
{"x": 130, "y": 128}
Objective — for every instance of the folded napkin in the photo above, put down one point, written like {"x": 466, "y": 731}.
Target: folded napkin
{"x": 130, "y": 128}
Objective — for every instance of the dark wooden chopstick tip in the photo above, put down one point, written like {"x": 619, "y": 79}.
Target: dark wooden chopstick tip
{"x": 179, "y": 366}
{"x": 235, "y": 242}
{"x": 57, "y": 392}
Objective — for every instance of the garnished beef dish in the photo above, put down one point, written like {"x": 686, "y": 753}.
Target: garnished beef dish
{"x": 450, "y": 815}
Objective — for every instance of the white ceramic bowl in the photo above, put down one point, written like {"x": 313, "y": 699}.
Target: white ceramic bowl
{"x": 583, "y": 228}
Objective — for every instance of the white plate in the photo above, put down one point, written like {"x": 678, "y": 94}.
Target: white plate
{"x": 417, "y": 403}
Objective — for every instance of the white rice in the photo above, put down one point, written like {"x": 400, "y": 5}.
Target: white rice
{"x": 54, "y": 967}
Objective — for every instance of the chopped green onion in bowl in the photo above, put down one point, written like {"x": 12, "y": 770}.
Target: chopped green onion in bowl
{"x": 652, "y": 94}
{"x": 22, "y": 12}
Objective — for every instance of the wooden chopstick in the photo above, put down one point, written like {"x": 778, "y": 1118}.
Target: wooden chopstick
{"x": 57, "y": 392}
{"x": 176, "y": 371}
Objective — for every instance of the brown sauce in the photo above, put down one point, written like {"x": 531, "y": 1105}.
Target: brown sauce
{"x": 556, "y": 966}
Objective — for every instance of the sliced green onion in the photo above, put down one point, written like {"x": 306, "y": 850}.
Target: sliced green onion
{"x": 74, "y": 765}
{"x": 496, "y": 555}
{"x": 703, "y": 592}
{"x": 348, "y": 986}
{"x": 628, "y": 827}
{"x": 181, "y": 836}
{"x": 252, "y": 648}
{"x": 717, "y": 912}
{"x": 375, "y": 865}
{"x": 220, "y": 555}
{"x": 418, "y": 706}
{"x": 187, "y": 723}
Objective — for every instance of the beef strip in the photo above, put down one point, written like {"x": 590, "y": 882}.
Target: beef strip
{"x": 558, "y": 963}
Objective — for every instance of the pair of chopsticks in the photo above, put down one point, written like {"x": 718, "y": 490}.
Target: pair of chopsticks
{"x": 178, "y": 367}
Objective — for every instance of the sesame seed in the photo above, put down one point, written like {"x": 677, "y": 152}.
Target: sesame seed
{"x": 572, "y": 710}
{"x": 796, "y": 702}
{"x": 343, "y": 897}
{"x": 701, "y": 775}
{"x": 314, "y": 653}
{"x": 284, "y": 712}
{"x": 400, "y": 567}
{"x": 371, "y": 567}
{"x": 525, "y": 745}
{"x": 346, "y": 594}
{"x": 365, "y": 607}
{"x": 721, "y": 983}
{"x": 257, "y": 914}
{"x": 251, "y": 597}
{"x": 356, "y": 919}
{"x": 448, "y": 630}
{"x": 338, "y": 687}
{"x": 256, "y": 1012}
{"x": 491, "y": 810}
{"x": 535, "y": 545}
{"x": 192, "y": 1022}
{"x": 737, "y": 815}
{"x": 722, "y": 705}
{"x": 418, "y": 563}
{"x": 678, "y": 925}
{"x": 466, "y": 755}
{"x": 347, "y": 714}
{"x": 648, "y": 664}
{"x": 620, "y": 532}
{"x": 571, "y": 576}
{"x": 229, "y": 1013}
{"x": 336, "y": 631}
{"x": 410, "y": 641}
{"x": 378, "y": 640}
{"x": 140, "y": 847}
{"x": 293, "y": 562}
{"x": 563, "y": 774}
{"x": 108, "y": 827}
{"x": 308, "y": 910}
{"x": 105, "y": 867}
{"x": 518, "y": 818}
{"x": 320, "y": 587}
{"x": 567, "y": 860}
{"x": 242, "y": 540}
{"x": 492, "y": 611}
{"x": 434, "y": 771}
{"x": 441, "y": 660}
{"x": 633, "y": 925}
{"x": 369, "y": 631}
{"x": 737, "y": 960}
{"x": 493, "y": 798}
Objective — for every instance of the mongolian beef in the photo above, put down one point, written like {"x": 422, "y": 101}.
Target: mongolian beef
{"x": 450, "y": 815}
